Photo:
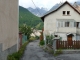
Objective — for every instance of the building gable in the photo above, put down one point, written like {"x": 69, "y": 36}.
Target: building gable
{"x": 60, "y": 8}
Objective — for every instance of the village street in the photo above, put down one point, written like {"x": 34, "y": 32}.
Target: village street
{"x": 34, "y": 52}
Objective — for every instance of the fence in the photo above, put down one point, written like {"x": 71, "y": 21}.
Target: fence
{"x": 22, "y": 39}
{"x": 65, "y": 45}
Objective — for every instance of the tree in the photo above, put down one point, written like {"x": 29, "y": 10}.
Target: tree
{"x": 26, "y": 30}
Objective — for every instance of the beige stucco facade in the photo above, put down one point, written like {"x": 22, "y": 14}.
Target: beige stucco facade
{"x": 50, "y": 22}
{"x": 8, "y": 23}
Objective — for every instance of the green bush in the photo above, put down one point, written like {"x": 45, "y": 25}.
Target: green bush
{"x": 32, "y": 38}
{"x": 42, "y": 42}
{"x": 37, "y": 37}
{"x": 58, "y": 52}
{"x": 49, "y": 39}
{"x": 17, "y": 55}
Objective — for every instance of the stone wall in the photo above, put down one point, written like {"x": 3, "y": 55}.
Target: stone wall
{"x": 5, "y": 53}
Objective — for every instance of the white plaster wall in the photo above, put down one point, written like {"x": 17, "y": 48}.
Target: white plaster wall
{"x": 67, "y": 29}
{"x": 8, "y": 23}
{"x": 63, "y": 35}
{"x": 50, "y": 23}
{"x": 74, "y": 37}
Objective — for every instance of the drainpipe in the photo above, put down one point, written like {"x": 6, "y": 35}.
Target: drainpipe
{"x": 44, "y": 38}
{"x": 57, "y": 26}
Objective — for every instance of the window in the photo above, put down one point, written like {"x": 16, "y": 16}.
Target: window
{"x": 68, "y": 12}
{"x": 78, "y": 24}
{"x": 56, "y": 35}
{"x": 64, "y": 12}
{"x": 67, "y": 24}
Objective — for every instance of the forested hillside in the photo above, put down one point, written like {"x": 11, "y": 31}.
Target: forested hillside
{"x": 27, "y": 17}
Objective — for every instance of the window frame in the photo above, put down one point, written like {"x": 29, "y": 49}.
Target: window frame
{"x": 64, "y": 12}
{"x": 67, "y": 24}
{"x": 68, "y": 12}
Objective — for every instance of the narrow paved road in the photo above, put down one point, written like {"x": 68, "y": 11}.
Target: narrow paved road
{"x": 34, "y": 52}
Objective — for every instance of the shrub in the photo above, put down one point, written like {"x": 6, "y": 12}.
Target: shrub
{"x": 32, "y": 38}
{"x": 17, "y": 55}
{"x": 37, "y": 37}
{"x": 58, "y": 52}
{"x": 49, "y": 39}
{"x": 42, "y": 42}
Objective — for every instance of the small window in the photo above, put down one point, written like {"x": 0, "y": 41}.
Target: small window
{"x": 56, "y": 35}
{"x": 64, "y": 12}
{"x": 66, "y": 24}
{"x": 77, "y": 24}
{"x": 68, "y": 12}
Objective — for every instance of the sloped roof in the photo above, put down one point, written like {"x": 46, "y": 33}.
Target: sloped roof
{"x": 76, "y": 9}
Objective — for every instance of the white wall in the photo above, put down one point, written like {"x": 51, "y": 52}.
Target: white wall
{"x": 63, "y": 35}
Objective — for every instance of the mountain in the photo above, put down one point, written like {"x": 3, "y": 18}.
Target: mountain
{"x": 54, "y": 7}
{"x": 78, "y": 2}
{"x": 27, "y": 17}
{"x": 38, "y": 11}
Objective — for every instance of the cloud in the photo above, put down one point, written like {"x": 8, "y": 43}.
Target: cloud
{"x": 26, "y": 3}
{"x": 41, "y": 3}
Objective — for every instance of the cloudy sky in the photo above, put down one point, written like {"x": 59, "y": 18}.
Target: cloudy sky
{"x": 41, "y": 3}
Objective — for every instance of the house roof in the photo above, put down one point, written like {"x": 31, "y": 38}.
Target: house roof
{"x": 76, "y": 9}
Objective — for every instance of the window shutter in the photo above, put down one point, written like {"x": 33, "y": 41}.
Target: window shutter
{"x": 74, "y": 24}
{"x": 79, "y": 24}
{"x": 63, "y": 24}
{"x": 57, "y": 24}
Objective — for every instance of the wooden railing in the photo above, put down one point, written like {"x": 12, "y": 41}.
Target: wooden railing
{"x": 65, "y": 45}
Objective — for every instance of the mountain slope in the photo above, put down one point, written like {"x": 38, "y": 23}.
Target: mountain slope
{"x": 26, "y": 17}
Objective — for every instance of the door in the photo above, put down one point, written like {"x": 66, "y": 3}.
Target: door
{"x": 69, "y": 38}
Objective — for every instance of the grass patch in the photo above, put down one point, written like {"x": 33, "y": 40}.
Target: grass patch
{"x": 41, "y": 42}
{"x": 49, "y": 50}
{"x": 58, "y": 52}
{"x": 17, "y": 55}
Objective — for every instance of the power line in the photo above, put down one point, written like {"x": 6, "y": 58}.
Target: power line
{"x": 36, "y": 7}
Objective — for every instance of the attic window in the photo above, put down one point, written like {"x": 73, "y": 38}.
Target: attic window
{"x": 64, "y": 12}
{"x": 56, "y": 35}
{"x": 68, "y": 12}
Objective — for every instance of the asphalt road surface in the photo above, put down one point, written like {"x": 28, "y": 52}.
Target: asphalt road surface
{"x": 34, "y": 52}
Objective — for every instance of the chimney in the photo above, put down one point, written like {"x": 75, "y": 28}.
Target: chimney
{"x": 60, "y": 3}
{"x": 75, "y": 4}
